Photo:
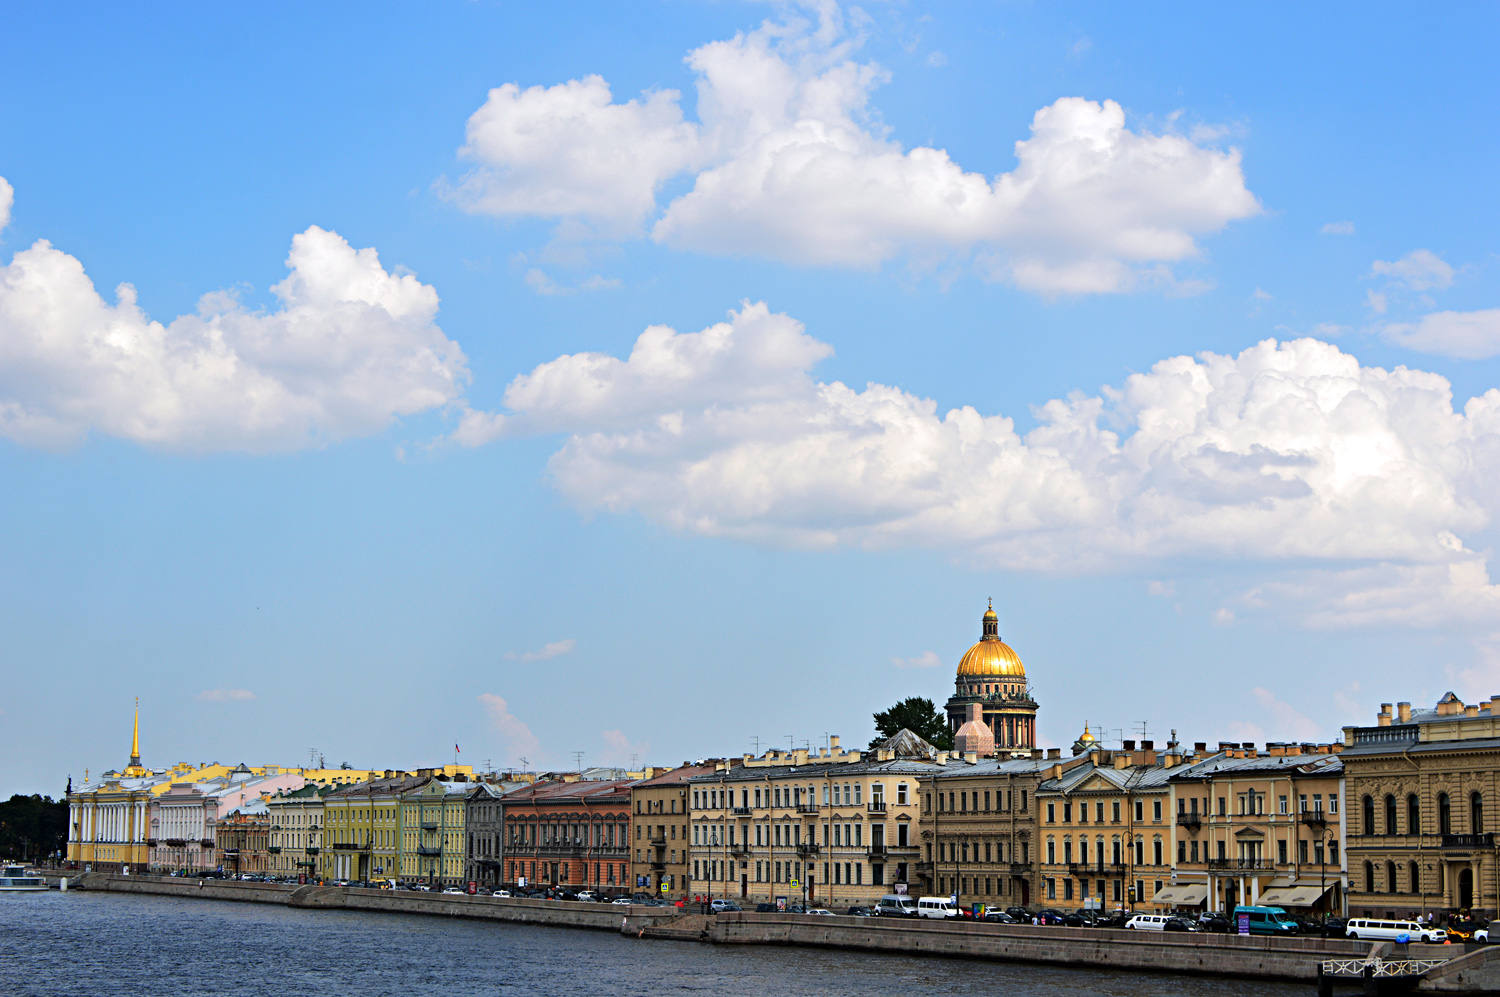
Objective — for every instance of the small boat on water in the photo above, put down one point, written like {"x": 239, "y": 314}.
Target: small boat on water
{"x": 16, "y": 879}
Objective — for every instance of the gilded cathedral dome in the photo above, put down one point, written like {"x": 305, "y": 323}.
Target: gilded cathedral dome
{"x": 991, "y": 656}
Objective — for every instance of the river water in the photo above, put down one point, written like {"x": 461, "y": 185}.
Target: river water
{"x": 91, "y": 944}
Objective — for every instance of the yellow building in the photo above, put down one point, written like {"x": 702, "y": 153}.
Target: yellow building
{"x": 432, "y": 831}
{"x": 362, "y": 827}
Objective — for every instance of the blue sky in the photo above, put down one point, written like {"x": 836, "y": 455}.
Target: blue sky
{"x": 1177, "y": 337}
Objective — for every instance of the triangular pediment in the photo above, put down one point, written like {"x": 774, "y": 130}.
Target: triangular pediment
{"x": 1096, "y": 784}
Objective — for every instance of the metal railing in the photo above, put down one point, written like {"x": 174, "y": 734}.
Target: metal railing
{"x": 1190, "y": 820}
{"x": 1242, "y": 865}
{"x": 1485, "y": 840}
{"x": 876, "y": 806}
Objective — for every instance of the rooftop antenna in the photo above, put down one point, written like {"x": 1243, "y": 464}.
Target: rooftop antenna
{"x": 489, "y": 766}
{"x": 1119, "y": 733}
{"x": 1144, "y": 728}
{"x": 312, "y": 758}
{"x": 578, "y": 762}
{"x": 755, "y": 738}
{"x": 525, "y": 764}
{"x": 790, "y": 742}
{"x": 635, "y": 756}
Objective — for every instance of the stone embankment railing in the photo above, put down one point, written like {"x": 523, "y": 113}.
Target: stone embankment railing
{"x": 516, "y": 910}
{"x": 1224, "y": 955}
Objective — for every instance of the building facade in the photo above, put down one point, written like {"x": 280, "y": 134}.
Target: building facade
{"x": 1423, "y": 796}
{"x": 659, "y": 827}
{"x": 573, "y": 834}
{"x": 1254, "y": 827}
{"x": 296, "y": 830}
{"x": 831, "y": 828}
{"x": 979, "y": 828}
{"x": 991, "y": 675}
{"x": 184, "y": 820}
{"x": 243, "y": 839}
{"x": 432, "y": 836}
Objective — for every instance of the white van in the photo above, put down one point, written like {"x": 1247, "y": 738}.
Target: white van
{"x": 896, "y": 905}
{"x": 1148, "y": 922}
{"x": 936, "y": 907}
{"x": 1390, "y": 931}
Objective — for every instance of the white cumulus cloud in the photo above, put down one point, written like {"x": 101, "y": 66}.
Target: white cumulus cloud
{"x": 1418, "y": 270}
{"x": 7, "y": 198}
{"x": 552, "y": 649}
{"x": 225, "y": 695}
{"x": 349, "y": 348}
{"x": 927, "y": 659}
{"x": 1337, "y": 228}
{"x": 515, "y": 736}
{"x": 1289, "y": 453}
{"x": 1467, "y": 335}
{"x": 788, "y": 160}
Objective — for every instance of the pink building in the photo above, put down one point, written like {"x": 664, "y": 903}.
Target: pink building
{"x": 183, "y": 820}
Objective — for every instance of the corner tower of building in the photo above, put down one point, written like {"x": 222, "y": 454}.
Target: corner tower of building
{"x": 991, "y": 675}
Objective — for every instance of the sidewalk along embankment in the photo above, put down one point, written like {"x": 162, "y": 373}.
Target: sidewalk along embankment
{"x": 1251, "y": 956}
{"x": 558, "y": 913}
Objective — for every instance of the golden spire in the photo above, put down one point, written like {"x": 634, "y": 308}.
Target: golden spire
{"x": 135, "y": 741}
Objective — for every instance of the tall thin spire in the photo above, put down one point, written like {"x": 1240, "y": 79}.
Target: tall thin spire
{"x": 135, "y": 737}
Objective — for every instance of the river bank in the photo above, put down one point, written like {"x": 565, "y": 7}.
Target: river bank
{"x": 1247, "y": 957}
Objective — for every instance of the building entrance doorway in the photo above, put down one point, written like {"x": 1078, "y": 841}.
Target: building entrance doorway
{"x": 1025, "y": 893}
{"x": 744, "y": 884}
{"x": 1465, "y": 889}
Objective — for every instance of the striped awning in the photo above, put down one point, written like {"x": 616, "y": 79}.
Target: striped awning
{"x": 1295, "y": 895}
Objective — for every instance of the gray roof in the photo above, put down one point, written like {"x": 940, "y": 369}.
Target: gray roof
{"x": 957, "y": 768}
{"x": 818, "y": 770}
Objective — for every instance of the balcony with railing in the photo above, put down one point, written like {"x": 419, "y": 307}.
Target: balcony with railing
{"x": 350, "y": 846}
{"x": 877, "y": 851}
{"x": 807, "y": 808}
{"x": 429, "y": 825}
{"x": 807, "y": 848}
{"x": 657, "y": 837}
{"x": 206, "y": 842}
{"x": 1245, "y": 864}
{"x": 274, "y": 849}
{"x": 1485, "y": 840}
{"x": 739, "y": 847}
{"x": 1192, "y": 821}
{"x": 311, "y": 850}
{"x": 741, "y": 811}
{"x": 429, "y": 850}
{"x": 1313, "y": 818}
{"x": 876, "y": 806}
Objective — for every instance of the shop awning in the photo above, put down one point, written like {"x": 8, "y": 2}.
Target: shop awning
{"x": 1295, "y": 895}
{"x": 1184, "y": 893}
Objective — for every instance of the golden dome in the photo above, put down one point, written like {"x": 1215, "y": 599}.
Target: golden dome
{"x": 1086, "y": 737}
{"x": 991, "y": 656}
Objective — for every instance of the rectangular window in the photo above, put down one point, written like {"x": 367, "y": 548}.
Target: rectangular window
{"x": 1281, "y": 853}
{"x": 1140, "y": 811}
{"x": 1051, "y": 813}
{"x": 986, "y": 799}
{"x": 1222, "y": 811}
{"x": 1067, "y": 889}
{"x": 1115, "y": 810}
{"x": 1333, "y": 803}
{"x": 1156, "y": 811}
{"x": 1099, "y": 812}
{"x": 1067, "y": 812}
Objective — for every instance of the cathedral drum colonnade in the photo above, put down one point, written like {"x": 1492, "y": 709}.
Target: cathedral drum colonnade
{"x": 991, "y": 675}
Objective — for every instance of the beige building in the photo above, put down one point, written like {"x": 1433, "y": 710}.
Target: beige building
{"x": 1423, "y": 792}
{"x": 979, "y": 828}
{"x": 829, "y": 828}
{"x": 659, "y": 832}
{"x": 1254, "y": 827}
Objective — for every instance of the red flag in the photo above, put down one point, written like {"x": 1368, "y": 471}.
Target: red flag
{"x": 455, "y": 749}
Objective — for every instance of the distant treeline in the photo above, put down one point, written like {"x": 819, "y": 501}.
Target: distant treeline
{"x": 32, "y": 827}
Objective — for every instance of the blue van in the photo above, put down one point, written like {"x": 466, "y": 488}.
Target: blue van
{"x": 1265, "y": 921}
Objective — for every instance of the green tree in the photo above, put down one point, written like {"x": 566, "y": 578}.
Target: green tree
{"x": 918, "y": 715}
{"x": 32, "y": 827}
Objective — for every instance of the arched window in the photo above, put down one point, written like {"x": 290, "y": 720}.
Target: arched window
{"x": 1413, "y": 814}
{"x": 1369, "y": 814}
{"x": 1443, "y": 816}
{"x": 1369, "y": 874}
{"x": 1390, "y": 878}
{"x": 1390, "y": 814}
{"x": 1476, "y": 812}
{"x": 1416, "y": 878}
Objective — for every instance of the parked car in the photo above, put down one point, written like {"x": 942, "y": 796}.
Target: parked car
{"x": 720, "y": 906}
{"x": 1021, "y": 914}
{"x": 998, "y": 917}
{"x": 1049, "y": 916}
{"x": 1180, "y": 923}
{"x": 454, "y": 891}
{"x": 1380, "y": 929}
{"x": 820, "y": 911}
{"x": 855, "y": 911}
{"x": 588, "y": 896}
{"x": 1215, "y": 921}
{"x": 896, "y": 905}
{"x": 1148, "y": 922}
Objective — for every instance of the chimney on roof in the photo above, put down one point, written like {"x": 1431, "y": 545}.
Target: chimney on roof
{"x": 1054, "y": 753}
{"x": 1148, "y": 745}
{"x": 1383, "y": 718}
{"x": 1472, "y": 710}
{"x": 1403, "y": 711}
{"x": 1128, "y": 745}
{"x": 833, "y": 741}
{"x": 1200, "y": 747}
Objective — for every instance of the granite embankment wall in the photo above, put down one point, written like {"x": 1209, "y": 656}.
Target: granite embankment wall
{"x": 558, "y": 913}
{"x": 1224, "y": 955}
{"x": 1220, "y": 955}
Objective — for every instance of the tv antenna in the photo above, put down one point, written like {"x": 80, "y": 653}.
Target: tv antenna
{"x": 578, "y": 762}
